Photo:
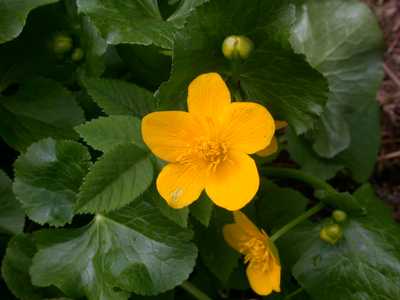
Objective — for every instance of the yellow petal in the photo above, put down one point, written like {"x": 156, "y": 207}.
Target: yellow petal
{"x": 247, "y": 127}
{"x": 181, "y": 184}
{"x": 275, "y": 275}
{"x": 280, "y": 124}
{"x": 261, "y": 281}
{"x": 247, "y": 226}
{"x": 234, "y": 182}
{"x": 208, "y": 95}
{"x": 270, "y": 149}
{"x": 235, "y": 236}
{"x": 170, "y": 134}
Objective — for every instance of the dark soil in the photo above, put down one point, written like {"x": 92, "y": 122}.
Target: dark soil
{"x": 387, "y": 173}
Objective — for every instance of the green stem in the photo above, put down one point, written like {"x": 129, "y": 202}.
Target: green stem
{"x": 297, "y": 221}
{"x": 323, "y": 191}
{"x": 295, "y": 293}
{"x": 301, "y": 176}
{"x": 194, "y": 291}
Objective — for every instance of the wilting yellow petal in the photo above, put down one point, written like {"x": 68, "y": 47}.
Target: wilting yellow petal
{"x": 181, "y": 184}
{"x": 208, "y": 95}
{"x": 247, "y": 127}
{"x": 235, "y": 236}
{"x": 247, "y": 226}
{"x": 270, "y": 149}
{"x": 260, "y": 280}
{"x": 234, "y": 182}
{"x": 170, "y": 134}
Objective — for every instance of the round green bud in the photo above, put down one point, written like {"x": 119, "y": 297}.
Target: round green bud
{"x": 339, "y": 216}
{"x": 237, "y": 46}
{"x": 77, "y": 54}
{"x": 334, "y": 230}
{"x": 331, "y": 233}
{"x": 62, "y": 43}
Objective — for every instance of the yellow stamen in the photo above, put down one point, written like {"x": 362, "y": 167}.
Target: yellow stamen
{"x": 212, "y": 152}
{"x": 255, "y": 252}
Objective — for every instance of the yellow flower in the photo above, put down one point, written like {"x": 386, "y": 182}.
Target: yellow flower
{"x": 209, "y": 146}
{"x": 273, "y": 146}
{"x": 264, "y": 269}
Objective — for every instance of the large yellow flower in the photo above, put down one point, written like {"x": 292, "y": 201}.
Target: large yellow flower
{"x": 264, "y": 269}
{"x": 209, "y": 146}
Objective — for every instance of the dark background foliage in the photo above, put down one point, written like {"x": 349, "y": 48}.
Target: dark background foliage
{"x": 218, "y": 272}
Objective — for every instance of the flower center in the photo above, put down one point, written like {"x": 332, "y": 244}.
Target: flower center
{"x": 213, "y": 152}
{"x": 255, "y": 252}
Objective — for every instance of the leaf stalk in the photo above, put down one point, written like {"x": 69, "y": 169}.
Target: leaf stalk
{"x": 194, "y": 291}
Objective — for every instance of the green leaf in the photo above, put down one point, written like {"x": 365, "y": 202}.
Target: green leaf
{"x": 202, "y": 209}
{"x": 238, "y": 278}
{"x": 178, "y": 216}
{"x": 133, "y": 22}
{"x": 12, "y": 217}
{"x": 134, "y": 249}
{"x": 338, "y": 46}
{"x": 186, "y": 7}
{"x": 273, "y": 74}
{"x": 118, "y": 97}
{"x": 364, "y": 264}
{"x": 94, "y": 46}
{"x": 15, "y": 270}
{"x": 216, "y": 254}
{"x": 41, "y": 108}
{"x": 148, "y": 66}
{"x": 301, "y": 152}
{"x": 15, "y": 266}
{"x": 117, "y": 178}
{"x": 47, "y": 179}
{"x": 14, "y": 14}
{"x": 105, "y": 133}
{"x": 31, "y": 54}
{"x": 137, "y": 21}
{"x": 361, "y": 156}
{"x": 278, "y": 206}
{"x": 347, "y": 48}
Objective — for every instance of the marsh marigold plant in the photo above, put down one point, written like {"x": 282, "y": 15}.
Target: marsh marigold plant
{"x": 208, "y": 147}
{"x": 263, "y": 269}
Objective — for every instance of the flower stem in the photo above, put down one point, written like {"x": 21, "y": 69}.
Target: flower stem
{"x": 323, "y": 191}
{"x": 299, "y": 175}
{"x": 194, "y": 291}
{"x": 297, "y": 221}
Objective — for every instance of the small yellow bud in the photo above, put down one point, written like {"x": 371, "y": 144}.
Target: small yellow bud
{"x": 237, "y": 46}
{"x": 77, "y": 54}
{"x": 339, "y": 216}
{"x": 62, "y": 43}
{"x": 331, "y": 233}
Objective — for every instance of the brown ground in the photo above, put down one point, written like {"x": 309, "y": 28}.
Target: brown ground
{"x": 387, "y": 175}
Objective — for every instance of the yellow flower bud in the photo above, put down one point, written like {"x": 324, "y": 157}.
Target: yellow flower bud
{"x": 62, "y": 43}
{"x": 77, "y": 54}
{"x": 331, "y": 233}
{"x": 339, "y": 216}
{"x": 237, "y": 46}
